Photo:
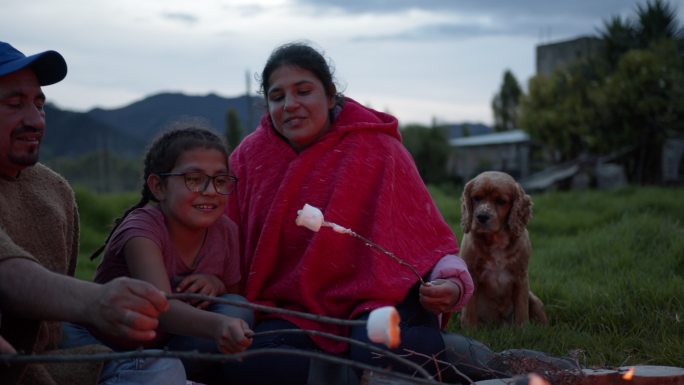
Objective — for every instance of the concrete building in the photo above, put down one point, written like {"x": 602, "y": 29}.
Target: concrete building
{"x": 557, "y": 55}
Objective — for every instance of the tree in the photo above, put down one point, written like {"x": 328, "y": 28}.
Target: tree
{"x": 233, "y": 128}
{"x": 642, "y": 100}
{"x": 505, "y": 103}
{"x": 641, "y": 95}
{"x": 430, "y": 150}
{"x": 558, "y": 112}
{"x": 656, "y": 21}
{"x": 85, "y": 170}
{"x": 628, "y": 98}
{"x": 618, "y": 36}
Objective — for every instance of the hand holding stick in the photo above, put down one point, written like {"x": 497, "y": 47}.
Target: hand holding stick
{"x": 382, "y": 325}
{"x": 312, "y": 218}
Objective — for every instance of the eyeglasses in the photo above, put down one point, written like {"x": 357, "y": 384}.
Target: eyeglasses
{"x": 198, "y": 181}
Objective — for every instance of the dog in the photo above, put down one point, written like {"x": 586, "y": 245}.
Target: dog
{"x": 496, "y": 247}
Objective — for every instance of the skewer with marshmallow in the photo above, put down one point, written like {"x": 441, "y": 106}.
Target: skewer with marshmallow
{"x": 382, "y": 325}
{"x": 312, "y": 218}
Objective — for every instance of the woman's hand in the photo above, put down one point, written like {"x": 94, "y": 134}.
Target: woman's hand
{"x": 233, "y": 335}
{"x": 439, "y": 296}
{"x": 205, "y": 284}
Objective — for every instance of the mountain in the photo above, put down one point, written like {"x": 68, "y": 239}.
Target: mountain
{"x": 72, "y": 134}
{"x": 460, "y": 130}
{"x": 127, "y": 130}
{"x": 149, "y": 116}
{"x": 102, "y": 148}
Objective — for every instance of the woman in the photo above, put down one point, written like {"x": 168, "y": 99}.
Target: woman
{"x": 315, "y": 146}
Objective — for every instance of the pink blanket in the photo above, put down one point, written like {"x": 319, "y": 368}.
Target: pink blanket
{"x": 361, "y": 177}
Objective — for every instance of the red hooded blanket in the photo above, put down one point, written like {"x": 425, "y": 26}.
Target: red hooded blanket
{"x": 361, "y": 177}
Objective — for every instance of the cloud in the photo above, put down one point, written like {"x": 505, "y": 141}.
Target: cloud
{"x": 456, "y": 30}
{"x": 502, "y": 8}
{"x": 244, "y": 10}
{"x": 180, "y": 16}
{"x": 418, "y": 59}
{"x": 492, "y": 18}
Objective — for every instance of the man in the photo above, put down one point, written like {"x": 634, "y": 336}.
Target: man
{"x": 39, "y": 232}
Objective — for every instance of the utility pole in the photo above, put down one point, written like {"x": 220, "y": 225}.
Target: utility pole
{"x": 248, "y": 94}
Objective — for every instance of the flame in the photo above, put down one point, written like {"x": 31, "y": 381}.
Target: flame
{"x": 628, "y": 374}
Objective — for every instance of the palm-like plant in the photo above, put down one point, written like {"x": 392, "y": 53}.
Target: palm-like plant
{"x": 618, "y": 36}
{"x": 642, "y": 83}
{"x": 657, "y": 20}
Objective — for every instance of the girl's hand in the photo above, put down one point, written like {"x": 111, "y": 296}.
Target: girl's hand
{"x": 233, "y": 335}
{"x": 205, "y": 284}
{"x": 440, "y": 296}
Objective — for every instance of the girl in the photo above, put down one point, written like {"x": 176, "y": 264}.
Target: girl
{"x": 177, "y": 238}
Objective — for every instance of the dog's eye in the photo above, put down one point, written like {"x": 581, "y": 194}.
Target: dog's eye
{"x": 501, "y": 202}
{"x": 476, "y": 199}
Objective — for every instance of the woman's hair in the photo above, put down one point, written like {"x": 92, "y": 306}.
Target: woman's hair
{"x": 162, "y": 155}
{"x": 302, "y": 55}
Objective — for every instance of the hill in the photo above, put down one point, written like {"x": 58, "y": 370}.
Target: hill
{"x": 459, "y": 130}
{"x": 102, "y": 148}
{"x": 147, "y": 117}
{"x": 72, "y": 134}
{"x": 126, "y": 131}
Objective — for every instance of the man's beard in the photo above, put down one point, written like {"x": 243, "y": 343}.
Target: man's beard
{"x": 23, "y": 157}
{"x": 24, "y": 160}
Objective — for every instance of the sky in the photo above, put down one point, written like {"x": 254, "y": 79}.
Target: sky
{"x": 421, "y": 60}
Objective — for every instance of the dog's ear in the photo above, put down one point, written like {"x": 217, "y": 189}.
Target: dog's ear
{"x": 521, "y": 212}
{"x": 466, "y": 208}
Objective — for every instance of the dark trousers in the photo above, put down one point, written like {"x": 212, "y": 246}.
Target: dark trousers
{"x": 419, "y": 333}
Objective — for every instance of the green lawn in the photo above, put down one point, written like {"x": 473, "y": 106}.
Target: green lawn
{"x": 97, "y": 212}
{"x": 609, "y": 267}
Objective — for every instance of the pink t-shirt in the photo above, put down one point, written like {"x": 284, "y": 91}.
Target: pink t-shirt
{"x": 218, "y": 256}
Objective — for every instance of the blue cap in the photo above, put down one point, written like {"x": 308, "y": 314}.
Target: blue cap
{"x": 49, "y": 66}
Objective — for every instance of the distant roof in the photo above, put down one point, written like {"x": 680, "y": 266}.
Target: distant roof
{"x": 577, "y": 39}
{"x": 506, "y": 137}
{"x": 545, "y": 179}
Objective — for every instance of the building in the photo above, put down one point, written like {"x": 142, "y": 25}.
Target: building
{"x": 507, "y": 151}
{"x": 560, "y": 54}
{"x": 673, "y": 161}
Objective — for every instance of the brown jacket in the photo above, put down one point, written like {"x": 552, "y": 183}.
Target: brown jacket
{"x": 39, "y": 221}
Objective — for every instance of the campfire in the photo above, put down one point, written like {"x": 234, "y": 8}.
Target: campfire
{"x": 632, "y": 375}
{"x": 629, "y": 374}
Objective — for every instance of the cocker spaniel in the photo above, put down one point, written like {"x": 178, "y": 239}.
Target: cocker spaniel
{"x": 496, "y": 247}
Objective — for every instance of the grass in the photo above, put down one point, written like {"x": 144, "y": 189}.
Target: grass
{"x": 97, "y": 213}
{"x": 609, "y": 267}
